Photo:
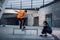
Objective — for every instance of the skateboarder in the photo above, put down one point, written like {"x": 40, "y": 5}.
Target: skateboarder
{"x": 21, "y": 18}
{"x": 46, "y": 29}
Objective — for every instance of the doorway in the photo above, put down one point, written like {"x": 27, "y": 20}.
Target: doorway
{"x": 36, "y": 21}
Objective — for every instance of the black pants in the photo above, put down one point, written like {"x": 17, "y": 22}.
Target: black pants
{"x": 45, "y": 31}
{"x": 21, "y": 22}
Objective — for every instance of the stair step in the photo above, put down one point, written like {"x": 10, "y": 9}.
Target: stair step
{"x": 26, "y": 37}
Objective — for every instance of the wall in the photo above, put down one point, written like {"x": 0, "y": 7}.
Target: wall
{"x": 31, "y": 15}
{"x": 55, "y": 10}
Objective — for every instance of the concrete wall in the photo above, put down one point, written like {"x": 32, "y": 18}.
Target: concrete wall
{"x": 31, "y": 15}
{"x": 42, "y": 14}
{"x": 55, "y": 10}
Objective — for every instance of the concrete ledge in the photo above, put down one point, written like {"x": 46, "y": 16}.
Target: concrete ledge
{"x": 25, "y": 32}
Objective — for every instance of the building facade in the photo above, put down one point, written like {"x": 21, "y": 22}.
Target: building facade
{"x": 51, "y": 13}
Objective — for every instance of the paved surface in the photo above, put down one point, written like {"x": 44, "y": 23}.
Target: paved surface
{"x": 7, "y": 33}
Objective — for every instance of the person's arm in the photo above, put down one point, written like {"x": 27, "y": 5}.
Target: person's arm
{"x": 16, "y": 10}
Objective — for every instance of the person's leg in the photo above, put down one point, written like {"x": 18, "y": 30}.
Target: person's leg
{"x": 44, "y": 32}
{"x": 23, "y": 23}
{"x": 50, "y": 32}
{"x": 20, "y": 23}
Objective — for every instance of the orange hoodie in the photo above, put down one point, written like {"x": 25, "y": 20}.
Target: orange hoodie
{"x": 21, "y": 14}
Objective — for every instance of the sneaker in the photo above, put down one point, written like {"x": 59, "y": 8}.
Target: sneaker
{"x": 45, "y": 35}
{"x": 41, "y": 35}
{"x": 23, "y": 27}
{"x": 3, "y": 25}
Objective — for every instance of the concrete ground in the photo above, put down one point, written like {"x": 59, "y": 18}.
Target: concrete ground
{"x": 12, "y": 32}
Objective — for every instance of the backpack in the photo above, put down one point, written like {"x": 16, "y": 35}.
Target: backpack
{"x": 49, "y": 28}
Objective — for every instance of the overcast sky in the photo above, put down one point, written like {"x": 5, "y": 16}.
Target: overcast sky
{"x": 26, "y": 3}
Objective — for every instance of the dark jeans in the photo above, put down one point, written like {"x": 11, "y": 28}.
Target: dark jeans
{"x": 22, "y": 22}
{"x": 45, "y": 31}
